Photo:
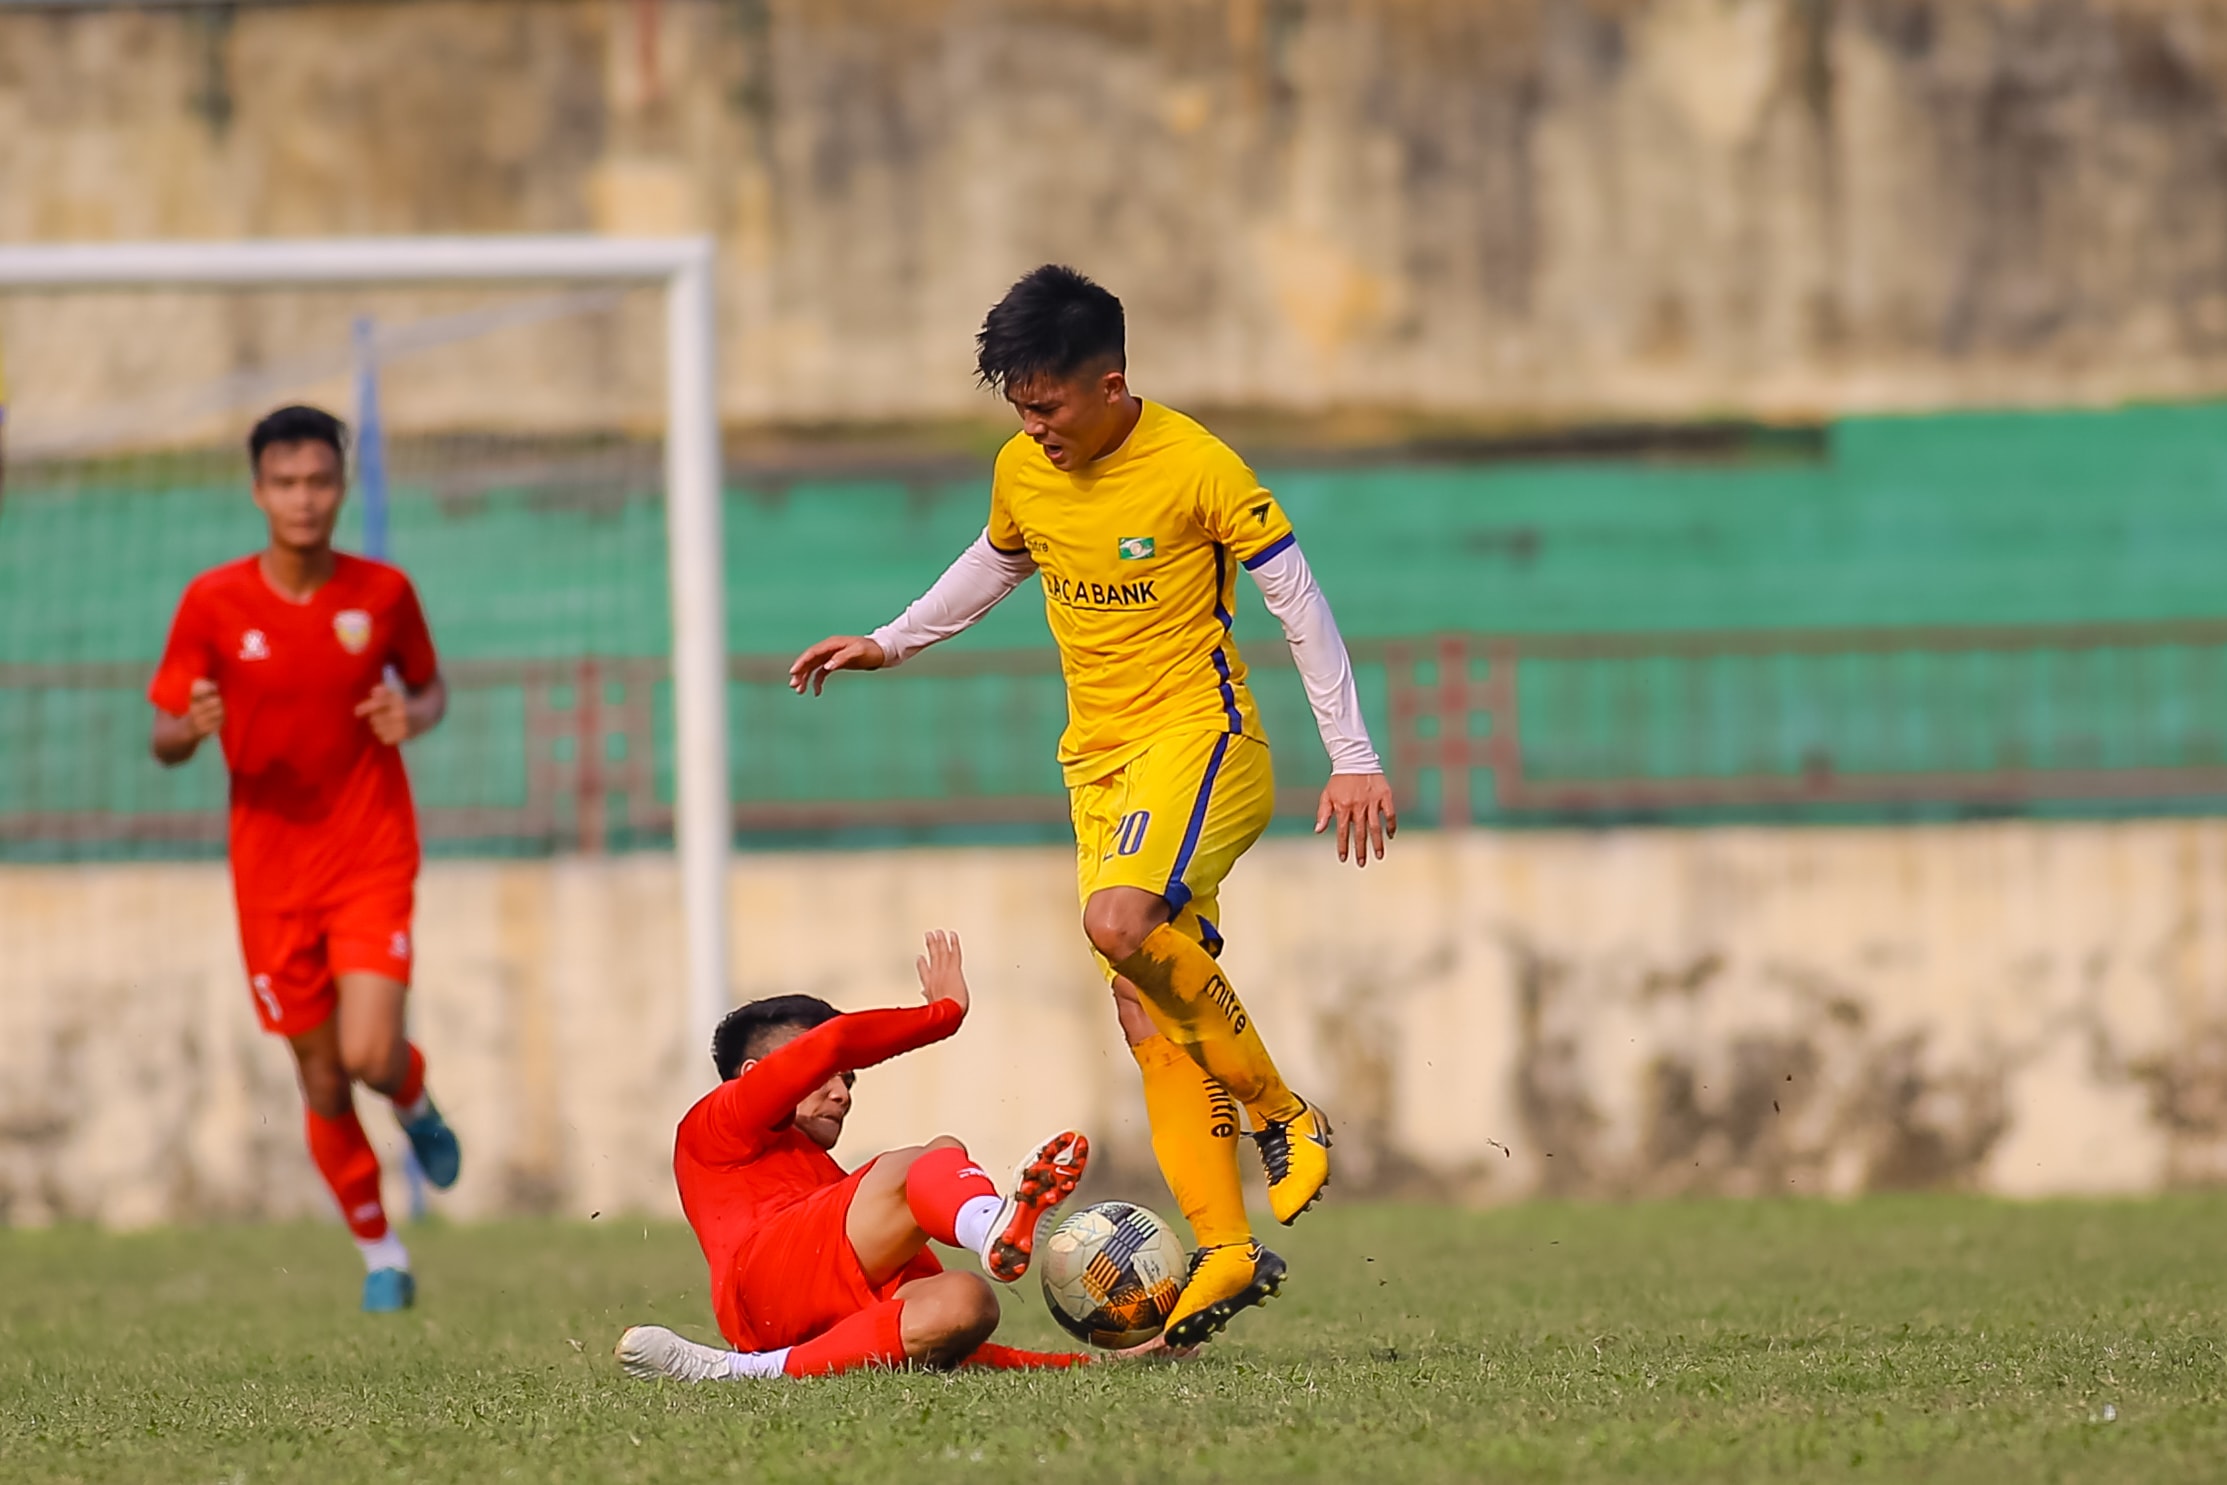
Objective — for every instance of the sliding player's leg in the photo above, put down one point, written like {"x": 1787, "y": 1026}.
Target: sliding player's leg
{"x": 371, "y": 951}
{"x": 937, "y": 1320}
{"x": 1192, "y": 806}
{"x": 936, "y": 1190}
{"x": 940, "y": 1320}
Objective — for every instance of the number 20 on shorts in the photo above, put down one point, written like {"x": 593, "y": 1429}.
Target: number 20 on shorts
{"x": 1129, "y": 834}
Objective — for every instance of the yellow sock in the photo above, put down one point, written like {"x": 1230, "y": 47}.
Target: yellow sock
{"x": 1194, "y": 1137}
{"x": 1188, "y": 998}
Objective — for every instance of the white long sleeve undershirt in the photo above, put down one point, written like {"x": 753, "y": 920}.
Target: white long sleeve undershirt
{"x": 1288, "y": 587}
{"x": 977, "y": 582}
{"x": 983, "y": 576}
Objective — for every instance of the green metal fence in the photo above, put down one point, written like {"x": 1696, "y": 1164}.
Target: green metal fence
{"x": 1927, "y": 617}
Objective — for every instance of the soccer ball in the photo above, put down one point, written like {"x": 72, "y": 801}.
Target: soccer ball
{"x": 1112, "y": 1273}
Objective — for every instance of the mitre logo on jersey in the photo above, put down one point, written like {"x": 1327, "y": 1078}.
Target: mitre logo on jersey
{"x": 352, "y": 627}
{"x": 253, "y": 646}
{"x": 1134, "y": 548}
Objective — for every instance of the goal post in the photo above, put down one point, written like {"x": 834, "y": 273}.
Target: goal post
{"x": 702, "y": 813}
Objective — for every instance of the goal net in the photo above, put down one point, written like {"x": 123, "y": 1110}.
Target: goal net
{"x": 533, "y": 442}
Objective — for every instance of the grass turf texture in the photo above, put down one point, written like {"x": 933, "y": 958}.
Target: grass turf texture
{"x": 1905, "y": 1338}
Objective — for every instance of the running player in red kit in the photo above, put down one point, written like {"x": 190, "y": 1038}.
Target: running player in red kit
{"x": 312, "y": 667}
{"x": 814, "y": 1271}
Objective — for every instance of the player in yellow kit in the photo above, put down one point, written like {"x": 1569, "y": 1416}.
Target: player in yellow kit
{"x": 1136, "y": 520}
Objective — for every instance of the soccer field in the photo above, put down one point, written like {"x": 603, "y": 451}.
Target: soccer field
{"x": 1903, "y": 1338}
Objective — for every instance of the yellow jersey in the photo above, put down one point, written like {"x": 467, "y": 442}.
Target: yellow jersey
{"x": 1138, "y": 554}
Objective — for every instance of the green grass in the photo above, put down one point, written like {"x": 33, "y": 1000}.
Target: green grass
{"x": 1912, "y": 1338}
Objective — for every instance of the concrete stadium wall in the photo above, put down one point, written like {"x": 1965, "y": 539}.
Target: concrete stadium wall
{"x": 1482, "y": 208}
{"x": 2013, "y": 1008}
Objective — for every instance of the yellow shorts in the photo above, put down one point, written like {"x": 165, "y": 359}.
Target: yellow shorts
{"x": 1173, "y": 821}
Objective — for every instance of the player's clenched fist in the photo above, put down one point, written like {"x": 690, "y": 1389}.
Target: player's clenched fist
{"x": 837, "y": 652}
{"x": 205, "y": 712}
{"x": 388, "y": 712}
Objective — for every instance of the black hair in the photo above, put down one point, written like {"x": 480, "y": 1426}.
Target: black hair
{"x": 1054, "y": 322}
{"x": 296, "y": 423}
{"x": 747, "y": 1029}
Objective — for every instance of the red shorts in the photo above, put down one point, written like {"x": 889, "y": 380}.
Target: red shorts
{"x": 798, "y": 1274}
{"x": 293, "y": 958}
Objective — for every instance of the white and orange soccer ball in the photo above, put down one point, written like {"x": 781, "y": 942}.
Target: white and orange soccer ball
{"x": 1112, "y": 1273}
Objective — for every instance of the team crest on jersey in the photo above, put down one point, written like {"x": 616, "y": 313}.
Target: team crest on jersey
{"x": 352, "y": 627}
{"x": 253, "y": 646}
{"x": 1134, "y": 548}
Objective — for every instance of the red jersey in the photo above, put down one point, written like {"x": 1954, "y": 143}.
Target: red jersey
{"x": 319, "y": 805}
{"x": 739, "y": 1160}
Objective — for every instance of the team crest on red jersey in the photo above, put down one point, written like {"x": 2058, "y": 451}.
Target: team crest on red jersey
{"x": 352, "y": 627}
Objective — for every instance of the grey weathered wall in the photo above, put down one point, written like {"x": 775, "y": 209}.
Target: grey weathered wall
{"x": 2015, "y": 1008}
{"x": 1492, "y": 208}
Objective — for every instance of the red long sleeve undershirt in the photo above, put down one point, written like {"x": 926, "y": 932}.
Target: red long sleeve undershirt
{"x": 742, "y": 1111}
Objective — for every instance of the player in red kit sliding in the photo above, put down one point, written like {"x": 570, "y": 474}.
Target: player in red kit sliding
{"x": 312, "y": 667}
{"x": 815, "y": 1271}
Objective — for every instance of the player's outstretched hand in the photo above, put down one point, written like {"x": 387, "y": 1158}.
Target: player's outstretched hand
{"x": 388, "y": 711}
{"x": 205, "y": 712}
{"x": 941, "y": 976}
{"x": 1361, "y": 803}
{"x": 808, "y": 676}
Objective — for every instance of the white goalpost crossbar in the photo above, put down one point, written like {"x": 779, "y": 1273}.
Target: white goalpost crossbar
{"x": 694, "y": 548}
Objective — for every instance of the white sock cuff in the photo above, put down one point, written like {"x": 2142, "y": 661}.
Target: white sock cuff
{"x": 415, "y": 1111}
{"x": 976, "y": 1224}
{"x": 742, "y": 1364}
{"x": 383, "y": 1252}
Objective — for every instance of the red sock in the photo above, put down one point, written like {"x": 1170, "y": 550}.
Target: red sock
{"x": 345, "y": 1159}
{"x": 875, "y": 1336}
{"x": 939, "y": 1183}
{"x": 999, "y": 1358}
{"x": 412, "y": 1086}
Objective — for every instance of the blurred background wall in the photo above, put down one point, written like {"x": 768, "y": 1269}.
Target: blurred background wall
{"x": 2016, "y": 1008}
{"x": 1483, "y": 209}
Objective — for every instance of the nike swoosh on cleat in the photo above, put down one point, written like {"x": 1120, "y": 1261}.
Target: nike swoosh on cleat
{"x": 1268, "y": 1283}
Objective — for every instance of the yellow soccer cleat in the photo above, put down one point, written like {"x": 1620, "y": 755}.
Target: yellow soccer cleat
{"x": 1222, "y": 1281}
{"x": 1296, "y": 1155}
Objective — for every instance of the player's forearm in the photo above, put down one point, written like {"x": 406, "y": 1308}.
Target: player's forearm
{"x": 174, "y": 740}
{"x": 1288, "y": 587}
{"x": 426, "y": 706}
{"x": 867, "y": 1037}
{"x": 970, "y": 587}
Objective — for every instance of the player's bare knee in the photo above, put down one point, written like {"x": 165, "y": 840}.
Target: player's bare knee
{"x": 1117, "y": 923}
{"x": 979, "y": 1310}
{"x": 952, "y": 1302}
{"x": 943, "y": 1142}
{"x": 377, "y": 1061}
{"x": 948, "y": 1316}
